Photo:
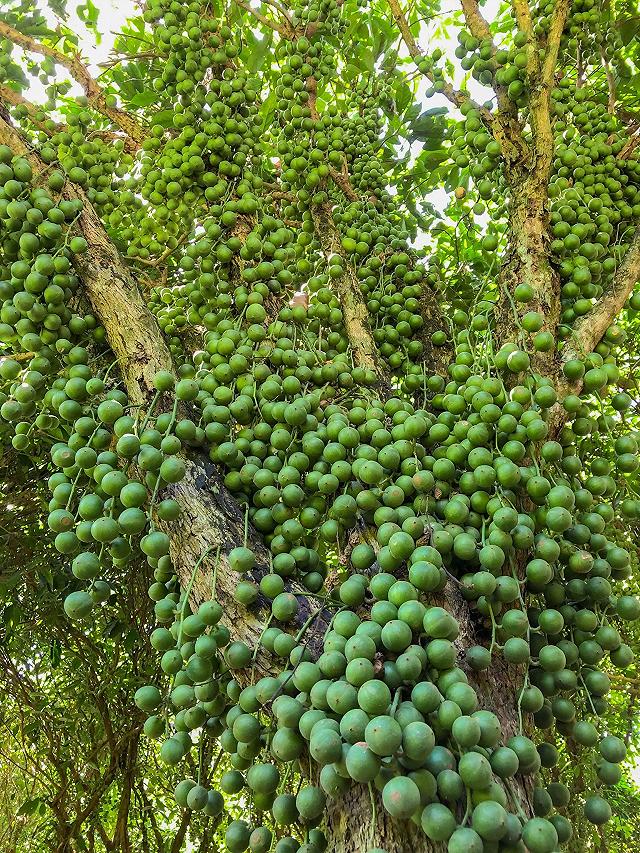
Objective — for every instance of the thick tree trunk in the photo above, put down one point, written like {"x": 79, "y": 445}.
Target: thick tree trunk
{"x": 352, "y": 827}
{"x": 212, "y": 523}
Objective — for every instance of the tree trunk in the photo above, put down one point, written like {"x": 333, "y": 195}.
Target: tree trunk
{"x": 212, "y": 523}
{"x": 351, "y": 828}
{"x": 526, "y": 261}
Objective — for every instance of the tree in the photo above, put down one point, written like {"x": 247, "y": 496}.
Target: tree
{"x": 377, "y": 463}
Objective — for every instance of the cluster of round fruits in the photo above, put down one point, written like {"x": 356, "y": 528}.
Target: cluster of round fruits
{"x": 377, "y": 507}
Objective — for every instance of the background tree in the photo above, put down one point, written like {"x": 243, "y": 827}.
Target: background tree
{"x": 386, "y": 492}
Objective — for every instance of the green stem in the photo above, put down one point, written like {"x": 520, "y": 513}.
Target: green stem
{"x": 187, "y": 592}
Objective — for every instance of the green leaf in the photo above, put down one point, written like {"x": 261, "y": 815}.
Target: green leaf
{"x": 164, "y": 118}
{"x": 628, "y": 29}
{"x": 29, "y": 807}
{"x": 144, "y": 99}
{"x": 88, "y": 13}
{"x": 429, "y": 127}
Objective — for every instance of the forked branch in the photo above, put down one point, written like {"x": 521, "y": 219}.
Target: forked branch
{"x": 507, "y": 132}
{"x": 15, "y": 99}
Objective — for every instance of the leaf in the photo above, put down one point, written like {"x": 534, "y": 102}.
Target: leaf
{"x": 144, "y": 99}
{"x": 88, "y": 14}
{"x": 435, "y": 158}
{"x": 55, "y": 653}
{"x": 429, "y": 127}
{"x": 258, "y": 49}
{"x": 628, "y": 29}
{"x": 9, "y": 582}
{"x": 30, "y": 806}
{"x": 164, "y": 118}
{"x": 403, "y": 97}
{"x": 383, "y": 35}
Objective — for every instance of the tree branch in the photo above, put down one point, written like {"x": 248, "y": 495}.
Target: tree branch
{"x": 342, "y": 181}
{"x": 178, "y": 838}
{"x": 588, "y": 330}
{"x": 283, "y": 30}
{"x": 476, "y": 22}
{"x": 354, "y": 310}
{"x": 611, "y": 83}
{"x": 146, "y": 809}
{"x": 558, "y": 21}
{"x": 507, "y": 132}
{"x": 524, "y": 20}
{"x": 15, "y": 99}
{"x": 81, "y": 75}
{"x": 138, "y": 345}
{"x": 210, "y": 520}
{"x": 456, "y": 97}
{"x": 479, "y": 28}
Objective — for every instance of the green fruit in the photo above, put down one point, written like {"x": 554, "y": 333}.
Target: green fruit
{"x": 401, "y": 797}
{"x": 540, "y": 835}
{"x": 147, "y": 698}
{"x": 418, "y": 740}
{"x": 383, "y": 735}
{"x": 78, "y": 605}
{"x": 374, "y": 697}
{"x": 438, "y": 823}
{"x": 475, "y": 770}
{"x": 613, "y": 749}
{"x": 597, "y": 810}
{"x": 489, "y": 820}
{"x": 237, "y": 836}
{"x": 310, "y": 802}
{"x": 465, "y": 840}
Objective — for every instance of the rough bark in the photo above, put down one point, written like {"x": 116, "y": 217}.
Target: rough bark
{"x": 351, "y": 827}
{"x": 132, "y": 330}
{"x": 211, "y": 521}
{"x": 526, "y": 260}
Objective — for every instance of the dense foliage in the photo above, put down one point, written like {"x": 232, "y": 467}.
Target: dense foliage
{"x": 373, "y": 457}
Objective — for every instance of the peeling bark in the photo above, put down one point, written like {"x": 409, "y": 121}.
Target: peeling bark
{"x": 212, "y": 520}
{"x": 132, "y": 331}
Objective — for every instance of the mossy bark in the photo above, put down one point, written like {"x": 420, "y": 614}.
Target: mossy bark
{"x": 354, "y": 310}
